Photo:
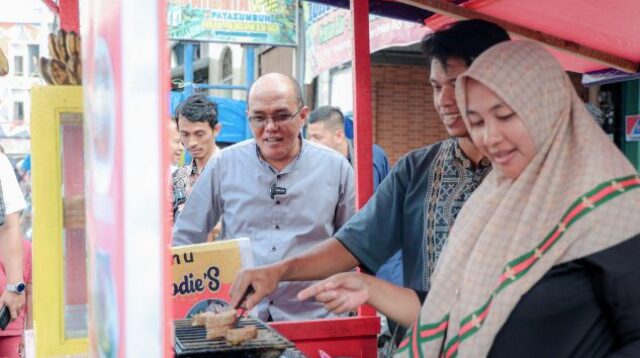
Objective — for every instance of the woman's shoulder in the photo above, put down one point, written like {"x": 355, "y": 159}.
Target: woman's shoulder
{"x": 625, "y": 255}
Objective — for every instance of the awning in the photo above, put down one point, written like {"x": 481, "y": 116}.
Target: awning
{"x": 595, "y": 34}
{"x": 390, "y": 9}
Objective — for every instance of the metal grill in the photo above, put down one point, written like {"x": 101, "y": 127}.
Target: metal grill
{"x": 193, "y": 342}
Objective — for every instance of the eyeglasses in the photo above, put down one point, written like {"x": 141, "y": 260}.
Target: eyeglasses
{"x": 261, "y": 121}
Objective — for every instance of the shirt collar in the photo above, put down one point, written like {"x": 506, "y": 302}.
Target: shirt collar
{"x": 289, "y": 166}
{"x": 462, "y": 158}
{"x": 350, "y": 151}
{"x": 194, "y": 166}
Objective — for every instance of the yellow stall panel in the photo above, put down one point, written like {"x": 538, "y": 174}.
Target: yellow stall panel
{"x": 59, "y": 241}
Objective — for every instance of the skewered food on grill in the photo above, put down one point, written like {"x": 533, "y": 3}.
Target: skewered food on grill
{"x": 238, "y": 335}
{"x": 201, "y": 318}
{"x": 217, "y": 332}
{"x": 226, "y": 318}
{"x": 191, "y": 342}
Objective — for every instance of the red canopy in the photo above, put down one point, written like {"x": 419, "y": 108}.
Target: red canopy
{"x": 608, "y": 26}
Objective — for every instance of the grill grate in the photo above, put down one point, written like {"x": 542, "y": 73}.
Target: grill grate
{"x": 193, "y": 342}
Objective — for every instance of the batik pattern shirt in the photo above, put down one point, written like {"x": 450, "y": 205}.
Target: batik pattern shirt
{"x": 452, "y": 179}
{"x": 400, "y": 213}
{"x": 183, "y": 181}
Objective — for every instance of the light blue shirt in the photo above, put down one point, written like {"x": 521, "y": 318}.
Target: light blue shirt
{"x": 234, "y": 186}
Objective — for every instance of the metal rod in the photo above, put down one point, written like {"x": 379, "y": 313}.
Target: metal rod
{"x": 362, "y": 111}
{"x": 362, "y": 101}
{"x": 220, "y": 87}
{"x": 250, "y": 58}
{"x": 188, "y": 68}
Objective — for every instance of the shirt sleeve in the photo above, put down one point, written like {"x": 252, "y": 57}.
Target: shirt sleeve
{"x": 375, "y": 233}
{"x": 11, "y": 193}
{"x": 617, "y": 271}
{"x": 380, "y": 165}
{"x": 202, "y": 210}
{"x": 347, "y": 202}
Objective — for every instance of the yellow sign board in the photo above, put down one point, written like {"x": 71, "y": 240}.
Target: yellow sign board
{"x": 203, "y": 273}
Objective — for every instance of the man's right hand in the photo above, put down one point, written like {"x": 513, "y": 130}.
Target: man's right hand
{"x": 264, "y": 280}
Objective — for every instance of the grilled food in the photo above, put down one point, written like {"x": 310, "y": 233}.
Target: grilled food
{"x": 201, "y": 318}
{"x": 239, "y": 335}
{"x": 217, "y": 332}
{"x": 226, "y": 318}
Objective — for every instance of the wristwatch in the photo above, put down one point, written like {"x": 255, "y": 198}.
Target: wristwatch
{"x": 17, "y": 288}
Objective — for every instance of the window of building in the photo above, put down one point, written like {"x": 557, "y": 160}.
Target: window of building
{"x": 227, "y": 71}
{"x": 227, "y": 67}
{"x": 18, "y": 65}
{"x": 33, "y": 56}
{"x": 18, "y": 111}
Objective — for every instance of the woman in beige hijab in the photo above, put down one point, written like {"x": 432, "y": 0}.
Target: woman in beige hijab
{"x": 544, "y": 258}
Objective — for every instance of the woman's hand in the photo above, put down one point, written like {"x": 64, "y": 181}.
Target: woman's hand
{"x": 14, "y": 303}
{"x": 340, "y": 293}
{"x": 346, "y": 291}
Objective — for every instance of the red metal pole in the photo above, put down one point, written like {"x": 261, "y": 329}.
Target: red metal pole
{"x": 362, "y": 101}
{"x": 69, "y": 15}
{"x": 52, "y": 6}
{"x": 362, "y": 110}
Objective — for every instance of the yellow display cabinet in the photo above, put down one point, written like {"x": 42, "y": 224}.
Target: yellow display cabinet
{"x": 59, "y": 237}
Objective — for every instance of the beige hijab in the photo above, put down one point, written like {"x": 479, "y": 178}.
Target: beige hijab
{"x": 576, "y": 197}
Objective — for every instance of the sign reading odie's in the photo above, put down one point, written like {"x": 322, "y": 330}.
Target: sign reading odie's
{"x": 270, "y": 22}
{"x": 203, "y": 273}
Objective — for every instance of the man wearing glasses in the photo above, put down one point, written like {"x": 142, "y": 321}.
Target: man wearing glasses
{"x": 286, "y": 194}
{"x": 414, "y": 208}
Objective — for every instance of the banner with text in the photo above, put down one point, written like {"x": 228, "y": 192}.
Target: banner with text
{"x": 268, "y": 22}
{"x": 329, "y": 32}
{"x": 203, "y": 273}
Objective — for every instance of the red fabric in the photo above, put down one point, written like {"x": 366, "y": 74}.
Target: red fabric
{"x": 9, "y": 346}
{"x": 16, "y": 328}
{"x": 605, "y": 25}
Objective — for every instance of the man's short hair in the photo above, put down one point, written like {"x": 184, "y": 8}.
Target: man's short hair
{"x": 464, "y": 40}
{"x": 331, "y": 117}
{"x": 198, "y": 108}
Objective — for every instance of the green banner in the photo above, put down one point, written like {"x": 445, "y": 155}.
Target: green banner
{"x": 268, "y": 22}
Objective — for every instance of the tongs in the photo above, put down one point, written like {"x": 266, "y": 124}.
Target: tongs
{"x": 240, "y": 306}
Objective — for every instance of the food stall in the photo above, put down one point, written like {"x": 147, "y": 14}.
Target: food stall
{"x": 101, "y": 226}
{"x": 99, "y": 168}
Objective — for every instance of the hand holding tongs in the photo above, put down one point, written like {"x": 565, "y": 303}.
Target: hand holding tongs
{"x": 240, "y": 306}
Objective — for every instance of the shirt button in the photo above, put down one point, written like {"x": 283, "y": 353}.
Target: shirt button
{"x": 273, "y": 248}
{"x": 278, "y": 227}
{"x": 277, "y": 202}
{"x": 270, "y": 302}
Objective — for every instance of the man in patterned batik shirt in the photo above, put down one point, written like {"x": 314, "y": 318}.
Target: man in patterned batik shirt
{"x": 197, "y": 121}
{"x": 416, "y": 205}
